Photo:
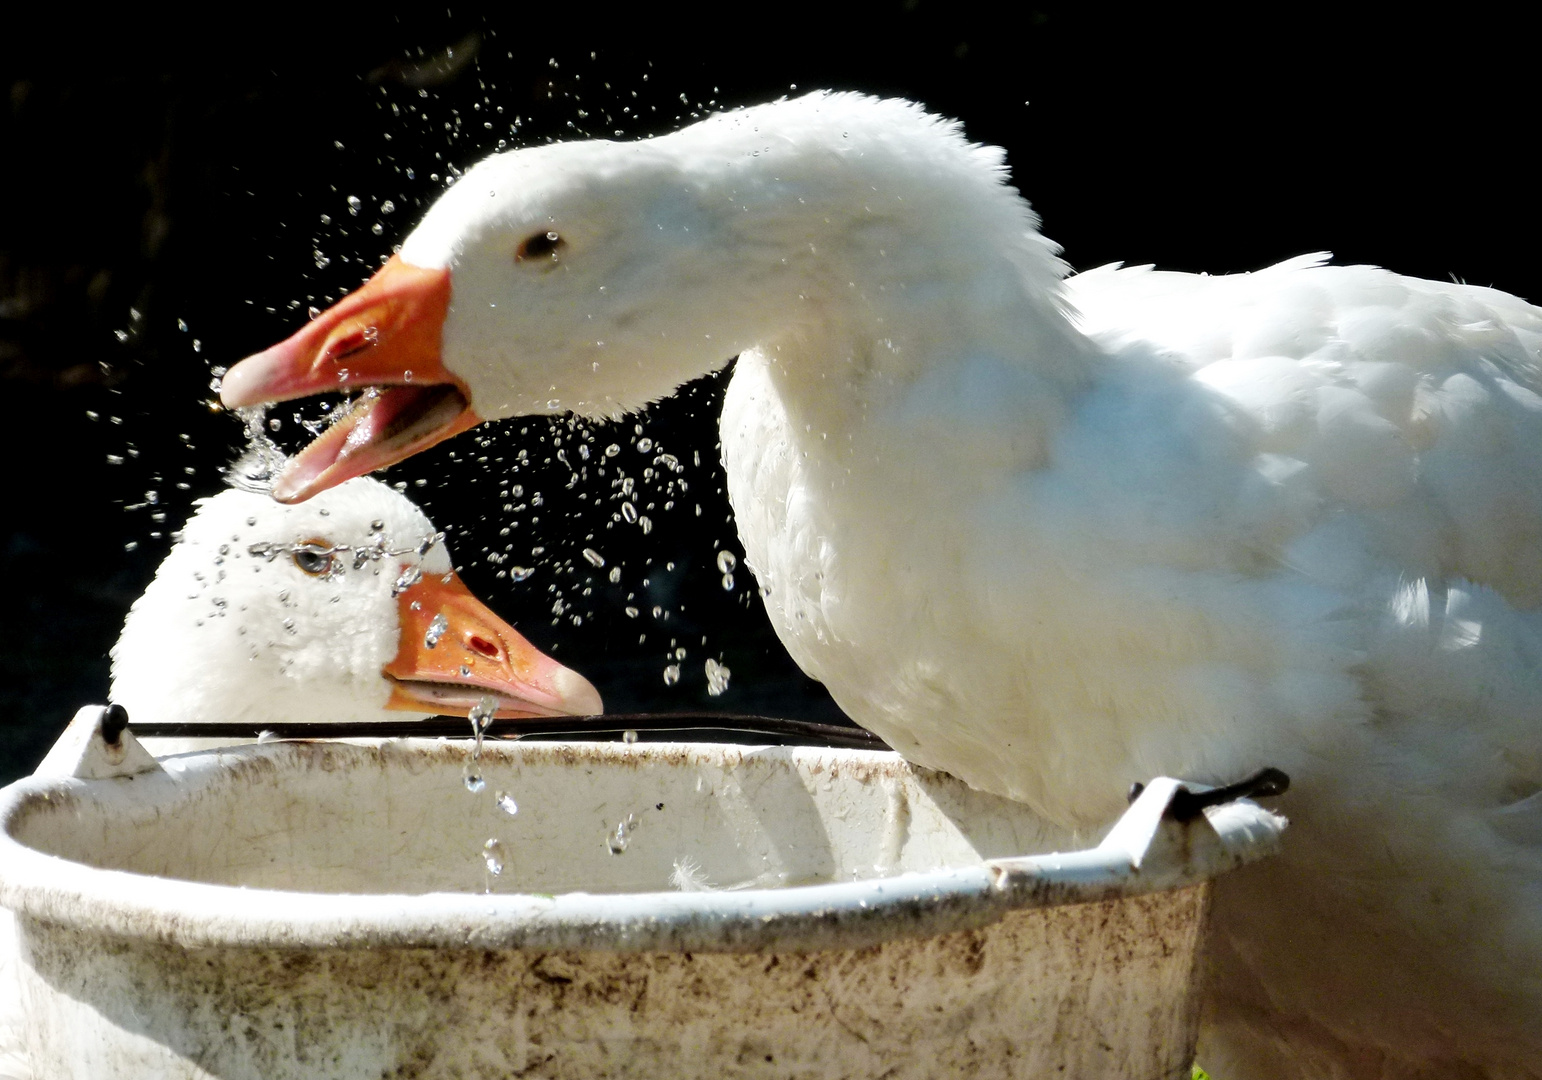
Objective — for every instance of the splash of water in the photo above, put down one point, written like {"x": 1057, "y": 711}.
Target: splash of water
{"x": 618, "y": 839}
{"x": 259, "y": 466}
{"x": 481, "y": 715}
{"x": 717, "y": 677}
{"x": 492, "y": 859}
{"x": 435, "y": 631}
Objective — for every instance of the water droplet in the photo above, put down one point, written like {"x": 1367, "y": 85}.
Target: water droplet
{"x": 717, "y": 677}
{"x": 628, "y": 510}
{"x": 492, "y": 855}
{"x": 728, "y": 583}
{"x": 645, "y": 523}
{"x": 388, "y": 207}
{"x": 631, "y": 612}
{"x": 726, "y": 561}
{"x": 629, "y": 736}
{"x": 435, "y": 631}
{"x": 379, "y": 526}
{"x": 353, "y": 205}
{"x": 671, "y": 674}
{"x": 594, "y": 557}
{"x": 410, "y": 576}
{"x": 474, "y": 781}
{"x": 506, "y": 803}
{"x": 617, "y": 840}
{"x": 615, "y": 575}
{"x": 644, "y": 444}
{"x": 612, "y": 450}
{"x": 483, "y": 711}
{"x": 520, "y": 573}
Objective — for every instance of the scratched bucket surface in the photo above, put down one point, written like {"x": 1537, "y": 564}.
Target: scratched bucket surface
{"x": 315, "y": 909}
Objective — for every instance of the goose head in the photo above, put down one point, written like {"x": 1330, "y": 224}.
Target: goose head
{"x": 345, "y": 608}
{"x": 596, "y": 277}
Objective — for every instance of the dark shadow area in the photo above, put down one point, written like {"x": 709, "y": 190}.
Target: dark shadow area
{"x": 176, "y": 195}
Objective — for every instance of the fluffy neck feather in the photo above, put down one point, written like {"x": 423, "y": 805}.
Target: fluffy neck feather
{"x": 845, "y": 239}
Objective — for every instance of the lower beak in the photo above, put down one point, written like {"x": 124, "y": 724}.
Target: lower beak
{"x": 454, "y": 652}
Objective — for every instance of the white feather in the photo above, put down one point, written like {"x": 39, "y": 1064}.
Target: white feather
{"x": 224, "y": 631}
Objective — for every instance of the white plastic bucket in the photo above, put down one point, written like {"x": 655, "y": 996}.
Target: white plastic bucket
{"x": 310, "y": 909}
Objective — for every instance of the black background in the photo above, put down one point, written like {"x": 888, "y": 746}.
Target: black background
{"x": 180, "y": 170}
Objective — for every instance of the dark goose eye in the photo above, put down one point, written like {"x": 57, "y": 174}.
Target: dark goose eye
{"x": 314, "y": 557}
{"x": 541, "y": 247}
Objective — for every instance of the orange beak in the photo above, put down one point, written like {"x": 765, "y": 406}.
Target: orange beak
{"x": 385, "y": 336}
{"x": 448, "y": 666}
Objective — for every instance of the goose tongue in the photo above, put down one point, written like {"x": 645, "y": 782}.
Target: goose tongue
{"x": 384, "y": 336}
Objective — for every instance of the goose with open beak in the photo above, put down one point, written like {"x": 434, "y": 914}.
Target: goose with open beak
{"x": 1056, "y": 533}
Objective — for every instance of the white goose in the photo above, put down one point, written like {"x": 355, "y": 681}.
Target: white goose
{"x": 1056, "y": 534}
{"x": 343, "y": 609}
{"x": 323, "y": 611}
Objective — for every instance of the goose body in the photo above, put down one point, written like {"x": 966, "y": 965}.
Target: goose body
{"x": 1055, "y": 534}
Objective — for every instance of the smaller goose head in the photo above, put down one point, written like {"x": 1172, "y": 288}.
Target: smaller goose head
{"x": 344, "y": 609}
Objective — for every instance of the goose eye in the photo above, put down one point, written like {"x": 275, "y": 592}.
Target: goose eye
{"x": 314, "y": 557}
{"x": 541, "y": 247}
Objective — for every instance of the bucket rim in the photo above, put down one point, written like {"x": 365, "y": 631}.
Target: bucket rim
{"x": 1146, "y": 851}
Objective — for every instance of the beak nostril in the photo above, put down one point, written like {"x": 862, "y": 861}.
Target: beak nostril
{"x": 482, "y": 645}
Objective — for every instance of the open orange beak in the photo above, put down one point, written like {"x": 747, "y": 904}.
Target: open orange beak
{"x": 454, "y": 651}
{"x": 385, "y": 337}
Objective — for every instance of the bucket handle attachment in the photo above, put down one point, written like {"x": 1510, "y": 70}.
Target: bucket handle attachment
{"x": 98, "y": 745}
{"x": 1190, "y": 800}
{"x": 1174, "y": 833}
